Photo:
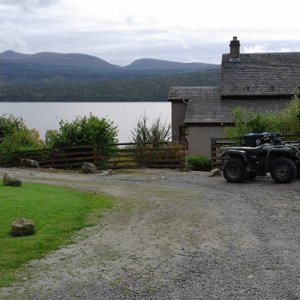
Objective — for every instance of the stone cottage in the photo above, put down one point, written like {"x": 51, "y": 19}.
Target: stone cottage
{"x": 258, "y": 82}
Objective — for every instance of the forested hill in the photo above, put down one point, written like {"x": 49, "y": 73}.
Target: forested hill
{"x": 47, "y": 77}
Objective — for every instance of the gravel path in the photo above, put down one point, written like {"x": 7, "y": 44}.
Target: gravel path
{"x": 173, "y": 235}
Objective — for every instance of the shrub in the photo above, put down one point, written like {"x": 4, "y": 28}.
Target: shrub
{"x": 245, "y": 122}
{"x": 83, "y": 131}
{"x": 10, "y": 124}
{"x": 155, "y": 133}
{"x": 15, "y": 136}
{"x": 287, "y": 120}
{"x": 198, "y": 163}
{"x": 284, "y": 121}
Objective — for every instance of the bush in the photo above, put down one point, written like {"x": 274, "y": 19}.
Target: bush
{"x": 83, "y": 131}
{"x": 155, "y": 133}
{"x": 10, "y": 124}
{"x": 245, "y": 122}
{"x": 15, "y": 136}
{"x": 285, "y": 121}
{"x": 198, "y": 163}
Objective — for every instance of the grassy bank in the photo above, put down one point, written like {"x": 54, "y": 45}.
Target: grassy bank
{"x": 57, "y": 213}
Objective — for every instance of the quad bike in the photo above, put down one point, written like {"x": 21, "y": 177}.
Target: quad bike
{"x": 262, "y": 153}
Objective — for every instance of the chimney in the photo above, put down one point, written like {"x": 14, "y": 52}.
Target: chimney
{"x": 234, "y": 49}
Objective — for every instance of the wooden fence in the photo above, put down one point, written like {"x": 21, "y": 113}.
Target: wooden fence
{"x": 127, "y": 155}
{"x": 219, "y": 145}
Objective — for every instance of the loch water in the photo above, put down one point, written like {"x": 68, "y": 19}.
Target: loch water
{"x": 44, "y": 116}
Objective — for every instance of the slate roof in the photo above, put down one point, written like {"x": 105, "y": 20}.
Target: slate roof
{"x": 261, "y": 74}
{"x": 205, "y": 105}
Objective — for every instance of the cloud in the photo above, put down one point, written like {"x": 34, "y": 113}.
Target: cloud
{"x": 12, "y": 37}
{"x": 285, "y": 50}
{"x": 274, "y": 46}
{"x": 121, "y": 31}
{"x": 255, "y": 49}
{"x": 28, "y": 4}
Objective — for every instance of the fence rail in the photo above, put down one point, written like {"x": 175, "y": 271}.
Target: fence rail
{"x": 126, "y": 155}
{"x": 218, "y": 146}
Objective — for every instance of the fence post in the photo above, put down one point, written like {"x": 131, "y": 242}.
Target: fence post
{"x": 95, "y": 150}
{"x": 184, "y": 152}
{"x": 213, "y": 153}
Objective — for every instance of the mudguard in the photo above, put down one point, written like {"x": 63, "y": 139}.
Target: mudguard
{"x": 234, "y": 153}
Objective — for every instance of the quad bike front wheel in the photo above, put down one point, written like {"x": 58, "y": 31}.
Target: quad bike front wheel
{"x": 234, "y": 170}
{"x": 283, "y": 170}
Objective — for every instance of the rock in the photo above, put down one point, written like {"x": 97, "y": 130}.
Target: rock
{"x": 215, "y": 172}
{"x": 8, "y": 180}
{"x": 21, "y": 227}
{"x": 88, "y": 168}
{"x": 29, "y": 163}
{"x": 106, "y": 172}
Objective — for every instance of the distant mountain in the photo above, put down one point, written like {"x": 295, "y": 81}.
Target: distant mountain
{"x": 48, "y": 77}
{"x": 150, "y": 64}
{"x": 58, "y": 59}
{"x": 93, "y": 62}
{"x": 12, "y": 55}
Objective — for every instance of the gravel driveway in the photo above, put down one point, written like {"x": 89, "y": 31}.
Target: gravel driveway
{"x": 173, "y": 235}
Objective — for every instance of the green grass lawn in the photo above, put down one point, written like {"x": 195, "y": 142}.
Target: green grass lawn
{"x": 57, "y": 213}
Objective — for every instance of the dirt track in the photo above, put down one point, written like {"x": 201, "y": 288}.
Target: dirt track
{"x": 173, "y": 235}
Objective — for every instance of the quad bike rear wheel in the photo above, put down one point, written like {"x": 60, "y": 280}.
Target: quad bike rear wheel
{"x": 283, "y": 170}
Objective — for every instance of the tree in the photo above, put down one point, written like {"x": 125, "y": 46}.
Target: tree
{"x": 155, "y": 133}
{"x": 83, "y": 131}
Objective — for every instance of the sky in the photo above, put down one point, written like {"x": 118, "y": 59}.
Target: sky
{"x": 121, "y": 31}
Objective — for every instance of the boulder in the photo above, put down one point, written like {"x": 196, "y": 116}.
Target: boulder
{"x": 106, "y": 172}
{"x": 21, "y": 227}
{"x": 215, "y": 172}
{"x": 88, "y": 168}
{"x": 8, "y": 180}
{"x": 29, "y": 163}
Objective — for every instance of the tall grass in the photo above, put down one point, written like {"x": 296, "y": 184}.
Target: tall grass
{"x": 57, "y": 213}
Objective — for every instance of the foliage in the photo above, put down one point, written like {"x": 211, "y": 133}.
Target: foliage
{"x": 83, "y": 131}
{"x": 15, "y": 136}
{"x": 245, "y": 122}
{"x": 198, "y": 162}
{"x": 21, "y": 141}
{"x": 285, "y": 121}
{"x": 94, "y": 87}
{"x": 57, "y": 213}
{"x": 155, "y": 133}
{"x": 9, "y": 124}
